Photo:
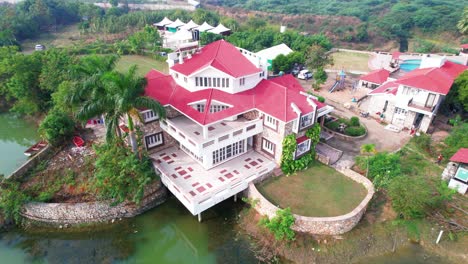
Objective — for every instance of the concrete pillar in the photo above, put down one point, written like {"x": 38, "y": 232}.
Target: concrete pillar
{"x": 205, "y": 132}
{"x": 199, "y": 217}
{"x": 235, "y": 197}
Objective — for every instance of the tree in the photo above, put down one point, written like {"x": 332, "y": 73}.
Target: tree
{"x": 121, "y": 99}
{"x": 56, "y": 127}
{"x": 367, "y": 149}
{"x": 318, "y": 57}
{"x": 461, "y": 87}
{"x": 114, "y": 3}
{"x": 320, "y": 76}
{"x": 456, "y": 140}
{"x": 208, "y": 37}
{"x": 463, "y": 22}
{"x": 410, "y": 196}
{"x": 280, "y": 225}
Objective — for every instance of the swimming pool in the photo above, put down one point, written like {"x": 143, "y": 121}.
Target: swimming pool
{"x": 409, "y": 65}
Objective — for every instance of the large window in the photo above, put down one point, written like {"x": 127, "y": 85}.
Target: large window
{"x": 306, "y": 121}
{"x": 229, "y": 151}
{"x": 271, "y": 122}
{"x": 430, "y": 100}
{"x": 148, "y": 116}
{"x": 302, "y": 147}
{"x": 154, "y": 140}
{"x": 268, "y": 146}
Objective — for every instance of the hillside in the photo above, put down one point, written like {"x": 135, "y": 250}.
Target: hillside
{"x": 359, "y": 22}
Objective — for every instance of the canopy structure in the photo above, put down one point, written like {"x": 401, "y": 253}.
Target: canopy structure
{"x": 220, "y": 29}
{"x": 190, "y": 25}
{"x": 181, "y": 34}
{"x": 166, "y": 21}
{"x": 176, "y": 24}
{"x": 204, "y": 27}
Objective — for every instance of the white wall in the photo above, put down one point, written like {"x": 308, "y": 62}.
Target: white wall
{"x": 419, "y": 96}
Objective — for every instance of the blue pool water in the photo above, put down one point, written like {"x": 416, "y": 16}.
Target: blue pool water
{"x": 409, "y": 65}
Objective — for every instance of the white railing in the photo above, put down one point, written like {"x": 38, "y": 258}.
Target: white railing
{"x": 182, "y": 137}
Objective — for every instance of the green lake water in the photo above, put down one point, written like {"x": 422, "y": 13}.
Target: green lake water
{"x": 16, "y": 135}
{"x": 165, "y": 234}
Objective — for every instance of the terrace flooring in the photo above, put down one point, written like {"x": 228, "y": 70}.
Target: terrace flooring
{"x": 196, "y": 184}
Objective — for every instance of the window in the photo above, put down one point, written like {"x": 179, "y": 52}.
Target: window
{"x": 200, "y": 108}
{"x": 270, "y": 122}
{"x": 196, "y": 81}
{"x": 400, "y": 111}
{"x": 229, "y": 151}
{"x": 302, "y": 148}
{"x": 148, "y": 116}
{"x": 185, "y": 79}
{"x": 216, "y": 108}
{"x": 242, "y": 81}
{"x": 154, "y": 140}
{"x": 227, "y": 82}
{"x": 224, "y": 82}
{"x": 218, "y": 82}
{"x": 209, "y": 82}
{"x": 205, "y": 81}
{"x": 176, "y": 75}
{"x": 268, "y": 146}
{"x": 306, "y": 121}
{"x": 430, "y": 100}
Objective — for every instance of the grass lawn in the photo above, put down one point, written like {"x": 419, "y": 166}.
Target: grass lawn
{"x": 63, "y": 37}
{"x": 350, "y": 61}
{"x": 318, "y": 191}
{"x": 145, "y": 64}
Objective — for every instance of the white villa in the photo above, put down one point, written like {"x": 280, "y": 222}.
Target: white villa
{"x": 412, "y": 100}
{"x": 225, "y": 123}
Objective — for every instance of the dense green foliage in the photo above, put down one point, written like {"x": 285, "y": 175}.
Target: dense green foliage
{"x": 391, "y": 19}
{"x": 457, "y": 139}
{"x": 120, "y": 175}
{"x": 286, "y": 63}
{"x": 289, "y": 164}
{"x": 280, "y": 225}
{"x": 382, "y": 167}
{"x": 57, "y": 127}
{"x": 353, "y": 127}
{"x": 11, "y": 200}
{"x": 409, "y": 196}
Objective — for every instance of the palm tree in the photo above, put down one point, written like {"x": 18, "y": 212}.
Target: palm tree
{"x": 122, "y": 99}
{"x": 463, "y": 22}
{"x": 367, "y": 149}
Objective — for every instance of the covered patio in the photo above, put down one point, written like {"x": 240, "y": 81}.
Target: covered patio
{"x": 199, "y": 189}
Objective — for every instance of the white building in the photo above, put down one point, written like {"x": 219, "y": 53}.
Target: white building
{"x": 225, "y": 123}
{"x": 414, "y": 99}
{"x": 269, "y": 54}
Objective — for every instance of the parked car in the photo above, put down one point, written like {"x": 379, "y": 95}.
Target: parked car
{"x": 39, "y": 47}
{"x": 304, "y": 75}
{"x": 162, "y": 54}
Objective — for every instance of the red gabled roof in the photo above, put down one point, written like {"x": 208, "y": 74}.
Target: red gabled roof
{"x": 377, "y": 76}
{"x": 221, "y": 55}
{"x": 386, "y": 88}
{"x": 460, "y": 156}
{"x": 396, "y": 55}
{"x": 464, "y": 46}
{"x": 273, "y": 97}
{"x": 434, "y": 79}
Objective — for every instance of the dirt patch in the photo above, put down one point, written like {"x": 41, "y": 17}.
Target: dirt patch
{"x": 66, "y": 176}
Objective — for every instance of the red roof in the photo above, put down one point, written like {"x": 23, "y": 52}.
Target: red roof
{"x": 434, "y": 79}
{"x": 396, "y": 55}
{"x": 221, "y": 55}
{"x": 377, "y": 76}
{"x": 460, "y": 156}
{"x": 273, "y": 97}
{"x": 387, "y": 88}
{"x": 464, "y": 46}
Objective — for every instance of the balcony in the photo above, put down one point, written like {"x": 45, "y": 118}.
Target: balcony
{"x": 190, "y": 134}
{"x": 420, "y": 108}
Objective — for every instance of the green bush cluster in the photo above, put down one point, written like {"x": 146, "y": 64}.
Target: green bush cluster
{"x": 12, "y": 199}
{"x": 355, "y": 131}
{"x": 280, "y": 225}
{"x": 57, "y": 127}
{"x": 353, "y": 126}
{"x": 354, "y": 121}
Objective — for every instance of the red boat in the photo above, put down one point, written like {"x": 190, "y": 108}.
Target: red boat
{"x": 35, "y": 148}
{"x": 78, "y": 141}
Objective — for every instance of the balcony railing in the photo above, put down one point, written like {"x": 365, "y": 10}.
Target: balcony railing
{"x": 421, "y": 107}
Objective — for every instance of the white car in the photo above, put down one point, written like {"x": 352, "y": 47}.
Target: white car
{"x": 39, "y": 47}
{"x": 304, "y": 75}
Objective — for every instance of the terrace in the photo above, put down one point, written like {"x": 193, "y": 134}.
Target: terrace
{"x": 199, "y": 189}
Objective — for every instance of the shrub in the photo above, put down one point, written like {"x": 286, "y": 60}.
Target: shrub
{"x": 120, "y": 175}
{"x": 280, "y": 225}
{"x": 382, "y": 168}
{"x": 423, "y": 141}
{"x": 332, "y": 125}
{"x": 321, "y": 99}
{"x": 355, "y": 131}
{"x": 11, "y": 200}
{"x": 409, "y": 196}
{"x": 56, "y": 127}
{"x": 354, "y": 121}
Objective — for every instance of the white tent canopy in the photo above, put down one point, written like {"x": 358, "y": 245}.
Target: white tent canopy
{"x": 204, "y": 27}
{"x": 176, "y": 24}
{"x": 272, "y": 52}
{"x": 164, "y": 22}
{"x": 219, "y": 29}
{"x": 190, "y": 25}
{"x": 182, "y": 34}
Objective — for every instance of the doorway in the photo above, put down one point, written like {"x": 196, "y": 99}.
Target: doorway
{"x": 418, "y": 119}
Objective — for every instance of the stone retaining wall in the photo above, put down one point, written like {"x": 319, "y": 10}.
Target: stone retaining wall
{"x": 44, "y": 154}
{"x": 319, "y": 225}
{"x": 94, "y": 212}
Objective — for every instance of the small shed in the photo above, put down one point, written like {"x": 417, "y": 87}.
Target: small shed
{"x": 456, "y": 171}
{"x": 374, "y": 79}
{"x": 271, "y": 53}
{"x": 161, "y": 25}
